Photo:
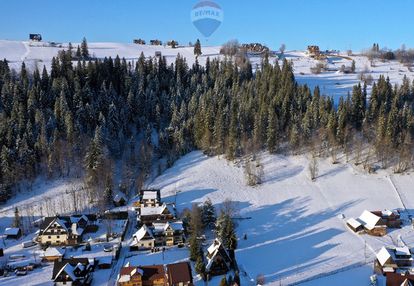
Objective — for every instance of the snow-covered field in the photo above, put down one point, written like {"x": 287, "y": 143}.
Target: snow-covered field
{"x": 295, "y": 230}
{"x": 332, "y": 83}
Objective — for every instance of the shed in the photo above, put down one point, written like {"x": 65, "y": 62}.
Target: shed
{"x": 355, "y": 225}
{"x": 13, "y": 233}
{"x": 53, "y": 254}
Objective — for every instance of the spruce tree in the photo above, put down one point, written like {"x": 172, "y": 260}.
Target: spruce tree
{"x": 84, "y": 49}
{"x": 197, "y": 48}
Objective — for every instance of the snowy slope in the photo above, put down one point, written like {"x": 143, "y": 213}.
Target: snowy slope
{"x": 332, "y": 83}
{"x": 295, "y": 232}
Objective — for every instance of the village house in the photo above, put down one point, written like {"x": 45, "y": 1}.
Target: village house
{"x": 218, "y": 259}
{"x": 314, "y": 51}
{"x": 74, "y": 271}
{"x": 52, "y": 254}
{"x": 161, "y": 213}
{"x": 150, "y": 198}
{"x": 142, "y": 276}
{"x": 399, "y": 279}
{"x": 35, "y": 37}
{"x": 168, "y": 233}
{"x": 179, "y": 274}
{"x": 143, "y": 239}
{"x": 371, "y": 223}
{"x": 63, "y": 230}
{"x": 388, "y": 259}
{"x": 391, "y": 219}
{"x": 158, "y": 234}
{"x": 13, "y": 233}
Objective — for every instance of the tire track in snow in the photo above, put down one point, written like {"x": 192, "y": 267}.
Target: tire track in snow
{"x": 24, "y": 56}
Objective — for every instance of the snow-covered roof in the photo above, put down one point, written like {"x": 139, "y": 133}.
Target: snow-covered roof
{"x": 149, "y": 195}
{"x": 354, "y": 223}
{"x": 69, "y": 269}
{"x": 76, "y": 229}
{"x": 368, "y": 219}
{"x": 12, "y": 231}
{"x": 212, "y": 251}
{"x": 139, "y": 235}
{"x": 383, "y": 255}
{"x": 53, "y": 251}
{"x": 155, "y": 210}
{"x": 402, "y": 251}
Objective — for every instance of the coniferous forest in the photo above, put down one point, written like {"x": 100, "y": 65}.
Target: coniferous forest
{"x": 84, "y": 114}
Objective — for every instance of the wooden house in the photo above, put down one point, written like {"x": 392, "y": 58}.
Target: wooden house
{"x": 391, "y": 219}
{"x": 142, "y": 276}
{"x": 179, "y": 274}
{"x": 143, "y": 239}
{"x": 161, "y": 213}
{"x": 388, "y": 260}
{"x": 218, "y": 259}
{"x": 168, "y": 233}
{"x": 63, "y": 230}
{"x": 13, "y": 233}
{"x": 150, "y": 198}
{"x": 74, "y": 271}
{"x": 372, "y": 224}
{"x": 399, "y": 279}
{"x": 52, "y": 254}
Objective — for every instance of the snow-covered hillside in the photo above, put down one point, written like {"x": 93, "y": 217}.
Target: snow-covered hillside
{"x": 332, "y": 83}
{"x": 295, "y": 227}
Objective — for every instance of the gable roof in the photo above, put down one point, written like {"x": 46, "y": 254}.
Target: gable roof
{"x": 383, "y": 255}
{"x": 163, "y": 209}
{"x": 53, "y": 251}
{"x": 153, "y": 272}
{"x": 398, "y": 279}
{"x": 140, "y": 234}
{"x": 58, "y": 265}
{"x": 215, "y": 249}
{"x": 12, "y": 231}
{"x": 353, "y": 223}
{"x": 179, "y": 272}
{"x": 368, "y": 219}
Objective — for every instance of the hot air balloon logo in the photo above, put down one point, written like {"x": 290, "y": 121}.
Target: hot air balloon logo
{"x": 207, "y": 17}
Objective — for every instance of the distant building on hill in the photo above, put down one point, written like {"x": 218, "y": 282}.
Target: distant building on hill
{"x": 35, "y": 37}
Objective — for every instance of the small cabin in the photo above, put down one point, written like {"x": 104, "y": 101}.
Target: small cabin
{"x": 156, "y": 42}
{"x": 158, "y": 54}
{"x": 35, "y": 37}
{"x": 13, "y": 233}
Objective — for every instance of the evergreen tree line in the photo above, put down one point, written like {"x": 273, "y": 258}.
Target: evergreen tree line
{"x": 81, "y": 115}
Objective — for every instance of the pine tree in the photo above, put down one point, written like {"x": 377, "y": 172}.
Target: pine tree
{"x": 208, "y": 214}
{"x": 84, "y": 49}
{"x": 197, "y": 48}
{"x": 200, "y": 267}
{"x": 223, "y": 281}
{"x": 353, "y": 66}
{"x": 17, "y": 220}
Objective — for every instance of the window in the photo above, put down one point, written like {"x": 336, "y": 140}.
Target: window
{"x": 57, "y": 241}
{"x": 49, "y": 236}
{"x": 57, "y": 236}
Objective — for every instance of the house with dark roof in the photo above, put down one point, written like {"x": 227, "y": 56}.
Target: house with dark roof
{"x": 63, "y": 230}
{"x": 218, "y": 259}
{"x": 74, "y": 271}
{"x": 179, "y": 274}
{"x": 153, "y": 275}
{"x": 399, "y": 279}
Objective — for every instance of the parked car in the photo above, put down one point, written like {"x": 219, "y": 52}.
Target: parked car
{"x": 108, "y": 247}
{"x": 20, "y": 271}
{"x": 28, "y": 243}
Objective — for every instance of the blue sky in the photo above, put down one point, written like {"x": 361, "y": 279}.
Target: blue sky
{"x": 331, "y": 24}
